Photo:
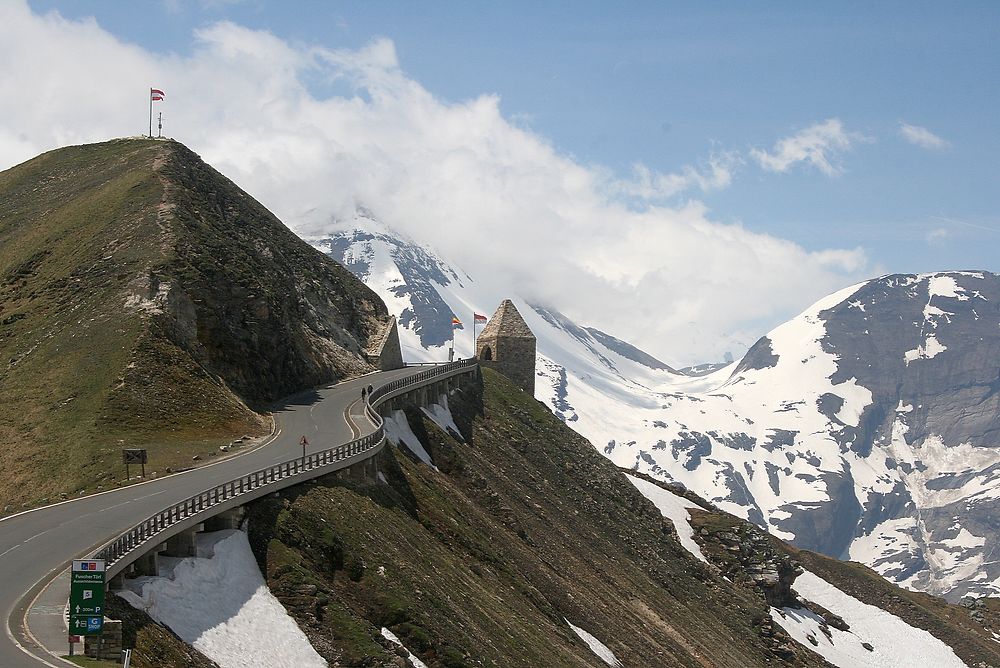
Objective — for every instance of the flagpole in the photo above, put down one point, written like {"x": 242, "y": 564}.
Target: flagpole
{"x": 150, "y": 113}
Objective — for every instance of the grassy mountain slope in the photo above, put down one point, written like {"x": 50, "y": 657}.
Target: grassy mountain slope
{"x": 146, "y": 301}
{"x": 525, "y": 526}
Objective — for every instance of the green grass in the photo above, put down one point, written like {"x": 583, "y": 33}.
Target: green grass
{"x": 236, "y": 311}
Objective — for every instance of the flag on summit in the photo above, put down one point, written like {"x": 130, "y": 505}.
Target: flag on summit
{"x": 479, "y": 318}
{"x": 455, "y": 321}
{"x": 156, "y": 95}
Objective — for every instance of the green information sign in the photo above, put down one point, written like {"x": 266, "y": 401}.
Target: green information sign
{"x": 86, "y": 597}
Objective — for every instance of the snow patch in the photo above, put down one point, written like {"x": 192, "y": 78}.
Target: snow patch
{"x": 939, "y": 285}
{"x": 219, "y": 603}
{"x": 441, "y": 415}
{"x": 391, "y": 637}
{"x": 397, "y": 430}
{"x": 930, "y": 348}
{"x": 596, "y": 646}
{"x": 674, "y": 508}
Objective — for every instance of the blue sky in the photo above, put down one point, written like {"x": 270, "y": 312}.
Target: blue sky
{"x": 865, "y": 135}
{"x": 667, "y": 83}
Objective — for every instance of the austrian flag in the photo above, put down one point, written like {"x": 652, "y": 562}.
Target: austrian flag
{"x": 480, "y": 318}
{"x": 156, "y": 95}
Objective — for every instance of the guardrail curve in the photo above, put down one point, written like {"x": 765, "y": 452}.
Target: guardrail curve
{"x": 118, "y": 551}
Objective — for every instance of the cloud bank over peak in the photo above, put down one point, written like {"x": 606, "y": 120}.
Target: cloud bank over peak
{"x": 315, "y": 133}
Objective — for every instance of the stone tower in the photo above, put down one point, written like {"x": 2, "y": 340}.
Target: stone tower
{"x": 507, "y": 345}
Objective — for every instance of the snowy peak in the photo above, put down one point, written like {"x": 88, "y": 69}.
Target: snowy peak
{"x": 866, "y": 427}
{"x": 874, "y": 417}
{"x": 408, "y": 276}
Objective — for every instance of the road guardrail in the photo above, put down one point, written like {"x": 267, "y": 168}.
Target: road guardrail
{"x": 127, "y": 546}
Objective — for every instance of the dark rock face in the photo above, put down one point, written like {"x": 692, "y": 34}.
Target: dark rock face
{"x": 249, "y": 289}
{"x": 745, "y": 553}
{"x": 825, "y": 527}
{"x": 954, "y": 392}
{"x": 695, "y": 445}
{"x": 760, "y": 356}
{"x": 929, "y": 351}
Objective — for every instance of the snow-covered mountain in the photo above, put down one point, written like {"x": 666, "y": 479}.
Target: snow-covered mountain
{"x": 868, "y": 427}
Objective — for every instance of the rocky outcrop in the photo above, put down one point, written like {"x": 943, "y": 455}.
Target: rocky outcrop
{"x": 745, "y": 553}
{"x": 252, "y": 290}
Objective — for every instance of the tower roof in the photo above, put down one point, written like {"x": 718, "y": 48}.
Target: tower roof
{"x": 507, "y": 322}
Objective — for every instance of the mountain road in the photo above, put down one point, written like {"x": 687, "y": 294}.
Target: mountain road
{"x": 37, "y": 545}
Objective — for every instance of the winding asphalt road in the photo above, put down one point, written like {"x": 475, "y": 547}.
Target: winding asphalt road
{"x": 36, "y": 546}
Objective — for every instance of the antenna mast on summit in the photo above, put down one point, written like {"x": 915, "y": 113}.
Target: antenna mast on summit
{"x": 155, "y": 95}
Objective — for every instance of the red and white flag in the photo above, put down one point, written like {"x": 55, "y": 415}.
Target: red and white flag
{"x": 480, "y": 318}
{"x": 156, "y": 95}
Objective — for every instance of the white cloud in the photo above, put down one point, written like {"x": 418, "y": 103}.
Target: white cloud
{"x": 717, "y": 173}
{"x": 818, "y": 145}
{"x": 937, "y": 234}
{"x": 922, "y": 137}
{"x": 497, "y": 199}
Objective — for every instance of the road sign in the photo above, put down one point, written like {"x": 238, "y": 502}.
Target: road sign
{"x": 86, "y": 597}
{"x": 134, "y": 456}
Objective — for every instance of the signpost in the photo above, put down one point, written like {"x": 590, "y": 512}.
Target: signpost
{"x": 86, "y": 597}
{"x": 134, "y": 456}
{"x": 303, "y": 442}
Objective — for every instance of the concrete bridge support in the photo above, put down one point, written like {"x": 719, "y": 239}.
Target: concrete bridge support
{"x": 183, "y": 544}
{"x": 227, "y": 519}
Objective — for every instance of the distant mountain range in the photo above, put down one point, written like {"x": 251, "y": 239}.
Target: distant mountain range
{"x": 868, "y": 427}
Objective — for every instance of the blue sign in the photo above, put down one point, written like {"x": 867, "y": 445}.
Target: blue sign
{"x": 95, "y": 624}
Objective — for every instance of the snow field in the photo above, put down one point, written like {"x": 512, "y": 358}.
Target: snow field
{"x": 219, "y": 603}
{"x": 441, "y": 415}
{"x": 895, "y": 643}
